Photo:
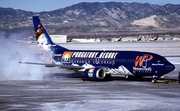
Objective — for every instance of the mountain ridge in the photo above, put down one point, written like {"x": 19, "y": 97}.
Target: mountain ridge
{"x": 97, "y": 18}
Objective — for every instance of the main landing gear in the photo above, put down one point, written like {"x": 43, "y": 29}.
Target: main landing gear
{"x": 106, "y": 78}
{"x": 84, "y": 79}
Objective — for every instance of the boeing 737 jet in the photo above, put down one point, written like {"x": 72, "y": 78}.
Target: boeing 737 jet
{"x": 97, "y": 64}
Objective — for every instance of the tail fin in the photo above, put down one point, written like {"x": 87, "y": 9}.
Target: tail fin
{"x": 42, "y": 36}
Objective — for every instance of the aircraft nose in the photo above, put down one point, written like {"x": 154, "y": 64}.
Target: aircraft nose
{"x": 170, "y": 67}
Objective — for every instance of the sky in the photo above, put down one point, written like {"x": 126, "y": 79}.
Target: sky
{"x": 49, "y": 5}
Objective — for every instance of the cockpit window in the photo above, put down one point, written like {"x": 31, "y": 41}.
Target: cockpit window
{"x": 160, "y": 60}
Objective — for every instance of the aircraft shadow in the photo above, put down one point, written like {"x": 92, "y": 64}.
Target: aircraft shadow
{"x": 77, "y": 75}
{"x": 62, "y": 75}
{"x": 139, "y": 79}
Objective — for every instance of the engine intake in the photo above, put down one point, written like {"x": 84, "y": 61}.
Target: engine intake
{"x": 95, "y": 73}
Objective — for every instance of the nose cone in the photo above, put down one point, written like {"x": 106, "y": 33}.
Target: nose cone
{"x": 170, "y": 67}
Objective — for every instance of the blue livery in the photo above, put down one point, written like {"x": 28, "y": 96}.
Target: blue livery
{"x": 97, "y": 64}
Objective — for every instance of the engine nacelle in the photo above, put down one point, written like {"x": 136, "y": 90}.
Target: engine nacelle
{"x": 95, "y": 73}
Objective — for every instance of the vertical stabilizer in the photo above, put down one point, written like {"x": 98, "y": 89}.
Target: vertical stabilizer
{"x": 43, "y": 37}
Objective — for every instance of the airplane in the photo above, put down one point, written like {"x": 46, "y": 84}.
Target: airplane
{"x": 101, "y": 64}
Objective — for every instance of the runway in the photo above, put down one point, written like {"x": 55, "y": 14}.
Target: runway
{"x": 58, "y": 90}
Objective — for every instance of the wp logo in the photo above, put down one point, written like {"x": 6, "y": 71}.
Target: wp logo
{"x": 142, "y": 60}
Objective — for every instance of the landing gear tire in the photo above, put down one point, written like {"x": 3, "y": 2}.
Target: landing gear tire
{"x": 154, "y": 81}
{"x": 155, "y": 78}
{"x": 83, "y": 78}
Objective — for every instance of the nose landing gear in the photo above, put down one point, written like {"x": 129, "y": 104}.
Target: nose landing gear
{"x": 154, "y": 78}
{"x": 158, "y": 79}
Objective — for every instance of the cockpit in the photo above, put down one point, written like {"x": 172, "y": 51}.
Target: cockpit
{"x": 160, "y": 60}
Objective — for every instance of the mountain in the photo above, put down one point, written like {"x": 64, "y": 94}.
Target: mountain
{"x": 98, "y": 18}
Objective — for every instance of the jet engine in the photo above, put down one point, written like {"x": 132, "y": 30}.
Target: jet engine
{"x": 95, "y": 73}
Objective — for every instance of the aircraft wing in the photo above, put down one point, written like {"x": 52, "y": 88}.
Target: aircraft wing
{"x": 55, "y": 65}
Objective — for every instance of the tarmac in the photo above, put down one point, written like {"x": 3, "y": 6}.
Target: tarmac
{"x": 35, "y": 88}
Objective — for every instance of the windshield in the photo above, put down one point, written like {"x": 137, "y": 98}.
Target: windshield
{"x": 160, "y": 60}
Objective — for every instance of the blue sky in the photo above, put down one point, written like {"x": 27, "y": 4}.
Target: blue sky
{"x": 49, "y": 5}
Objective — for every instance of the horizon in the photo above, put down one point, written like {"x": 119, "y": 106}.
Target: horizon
{"x": 47, "y": 5}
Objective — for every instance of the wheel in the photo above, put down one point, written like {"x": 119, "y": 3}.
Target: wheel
{"x": 83, "y": 78}
{"x": 153, "y": 81}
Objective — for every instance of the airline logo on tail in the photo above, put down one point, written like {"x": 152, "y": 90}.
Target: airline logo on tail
{"x": 40, "y": 34}
{"x": 43, "y": 37}
{"x": 40, "y": 31}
